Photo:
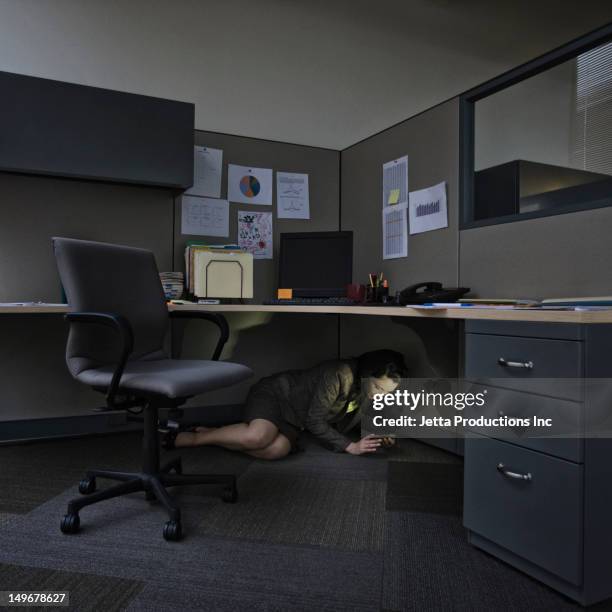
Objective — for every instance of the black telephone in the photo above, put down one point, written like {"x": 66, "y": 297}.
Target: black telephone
{"x": 431, "y": 292}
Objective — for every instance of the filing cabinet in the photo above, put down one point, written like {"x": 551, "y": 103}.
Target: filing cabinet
{"x": 542, "y": 504}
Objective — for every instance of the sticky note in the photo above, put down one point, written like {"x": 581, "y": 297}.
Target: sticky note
{"x": 394, "y": 195}
{"x": 285, "y": 294}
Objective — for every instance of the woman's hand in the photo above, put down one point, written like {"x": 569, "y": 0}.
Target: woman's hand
{"x": 388, "y": 441}
{"x": 369, "y": 444}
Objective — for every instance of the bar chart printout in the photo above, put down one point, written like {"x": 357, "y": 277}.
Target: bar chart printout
{"x": 395, "y": 182}
{"x": 395, "y": 231}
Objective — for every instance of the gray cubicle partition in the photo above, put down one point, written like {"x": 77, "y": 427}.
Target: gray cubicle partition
{"x": 34, "y": 209}
{"x": 265, "y": 342}
{"x": 431, "y": 141}
{"x": 320, "y": 164}
{"x": 558, "y": 256}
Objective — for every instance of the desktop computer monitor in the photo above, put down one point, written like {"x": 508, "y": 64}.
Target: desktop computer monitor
{"x": 316, "y": 264}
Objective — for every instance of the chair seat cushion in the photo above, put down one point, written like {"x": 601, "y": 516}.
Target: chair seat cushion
{"x": 170, "y": 377}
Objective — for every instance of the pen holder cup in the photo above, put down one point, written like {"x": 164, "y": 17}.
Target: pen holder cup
{"x": 356, "y": 292}
{"x": 375, "y": 295}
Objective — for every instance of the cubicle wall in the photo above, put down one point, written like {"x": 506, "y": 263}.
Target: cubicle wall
{"x": 265, "y": 342}
{"x": 321, "y": 165}
{"x": 558, "y": 256}
{"x": 431, "y": 141}
{"x": 33, "y": 377}
{"x": 552, "y": 256}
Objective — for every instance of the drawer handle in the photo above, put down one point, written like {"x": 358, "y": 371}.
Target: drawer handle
{"x": 527, "y": 365}
{"x": 516, "y": 475}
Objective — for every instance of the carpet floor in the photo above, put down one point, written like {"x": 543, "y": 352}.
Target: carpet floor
{"x": 315, "y": 531}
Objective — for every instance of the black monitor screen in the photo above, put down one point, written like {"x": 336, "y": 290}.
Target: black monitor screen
{"x": 317, "y": 264}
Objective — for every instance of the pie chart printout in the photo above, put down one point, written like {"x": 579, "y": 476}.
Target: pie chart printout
{"x": 250, "y": 187}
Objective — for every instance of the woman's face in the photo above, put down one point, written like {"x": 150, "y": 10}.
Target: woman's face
{"x": 381, "y": 385}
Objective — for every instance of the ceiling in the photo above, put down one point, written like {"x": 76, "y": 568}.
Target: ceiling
{"x": 317, "y": 72}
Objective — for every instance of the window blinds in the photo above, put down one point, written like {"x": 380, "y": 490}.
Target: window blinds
{"x": 592, "y": 125}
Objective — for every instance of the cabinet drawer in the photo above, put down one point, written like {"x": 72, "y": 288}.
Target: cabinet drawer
{"x": 538, "y": 518}
{"x": 536, "y": 365}
{"x": 563, "y": 439}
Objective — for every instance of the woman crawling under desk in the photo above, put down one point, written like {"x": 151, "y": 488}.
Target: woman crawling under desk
{"x": 325, "y": 400}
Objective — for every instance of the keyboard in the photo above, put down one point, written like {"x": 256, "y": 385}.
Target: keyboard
{"x": 330, "y": 301}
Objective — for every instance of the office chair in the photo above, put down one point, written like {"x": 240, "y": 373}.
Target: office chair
{"x": 118, "y": 324}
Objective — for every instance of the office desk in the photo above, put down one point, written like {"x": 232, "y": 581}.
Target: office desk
{"x": 34, "y": 309}
{"x": 462, "y": 314}
{"x": 555, "y": 525}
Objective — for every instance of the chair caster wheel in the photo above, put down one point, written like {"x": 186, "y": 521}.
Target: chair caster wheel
{"x": 70, "y": 523}
{"x": 230, "y": 495}
{"x": 87, "y": 485}
{"x": 173, "y": 531}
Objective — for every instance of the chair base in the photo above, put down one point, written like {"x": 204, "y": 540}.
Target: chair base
{"x": 153, "y": 480}
{"x": 154, "y": 486}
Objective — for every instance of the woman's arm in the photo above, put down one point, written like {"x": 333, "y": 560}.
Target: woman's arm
{"x": 325, "y": 394}
{"x": 368, "y": 444}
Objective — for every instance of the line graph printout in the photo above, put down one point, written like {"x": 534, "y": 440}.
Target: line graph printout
{"x": 395, "y": 231}
{"x": 427, "y": 210}
{"x": 292, "y": 195}
{"x": 395, "y": 182}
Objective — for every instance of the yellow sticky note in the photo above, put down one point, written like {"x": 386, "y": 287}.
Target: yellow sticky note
{"x": 394, "y": 195}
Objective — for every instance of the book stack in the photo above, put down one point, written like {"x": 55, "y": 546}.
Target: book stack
{"x": 173, "y": 284}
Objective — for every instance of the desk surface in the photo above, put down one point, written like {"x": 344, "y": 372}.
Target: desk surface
{"x": 483, "y": 314}
{"x": 490, "y": 314}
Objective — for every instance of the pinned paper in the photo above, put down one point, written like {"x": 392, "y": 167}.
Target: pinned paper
{"x": 204, "y": 216}
{"x": 255, "y": 233}
{"x": 207, "y": 164}
{"x": 394, "y": 196}
{"x": 249, "y": 185}
{"x": 292, "y": 195}
{"x": 395, "y": 231}
{"x": 427, "y": 209}
{"x": 395, "y": 178}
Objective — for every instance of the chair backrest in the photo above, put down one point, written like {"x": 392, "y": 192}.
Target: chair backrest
{"x": 100, "y": 277}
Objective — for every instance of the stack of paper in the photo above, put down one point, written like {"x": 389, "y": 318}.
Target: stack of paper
{"x": 604, "y": 300}
{"x": 499, "y": 301}
{"x": 190, "y": 250}
{"x": 218, "y": 271}
{"x": 173, "y": 284}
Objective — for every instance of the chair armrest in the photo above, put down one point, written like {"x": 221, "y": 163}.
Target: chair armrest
{"x": 122, "y": 326}
{"x": 214, "y": 317}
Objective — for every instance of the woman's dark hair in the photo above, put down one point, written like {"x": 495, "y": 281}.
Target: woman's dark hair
{"x": 382, "y": 363}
